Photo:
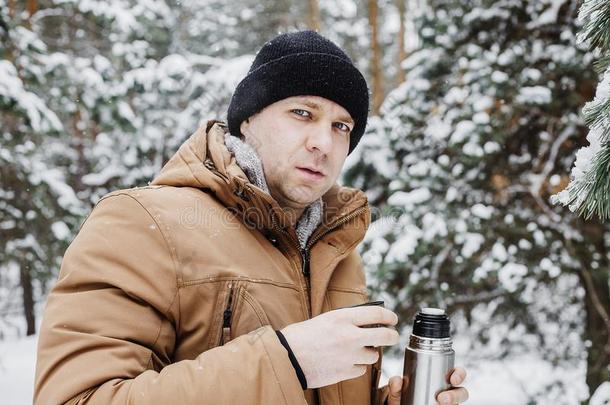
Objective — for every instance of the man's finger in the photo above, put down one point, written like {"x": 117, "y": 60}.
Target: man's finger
{"x": 458, "y": 375}
{"x": 395, "y": 385}
{"x": 370, "y": 315}
{"x": 453, "y": 396}
{"x": 381, "y": 336}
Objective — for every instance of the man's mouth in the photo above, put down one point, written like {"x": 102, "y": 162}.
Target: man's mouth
{"x": 311, "y": 173}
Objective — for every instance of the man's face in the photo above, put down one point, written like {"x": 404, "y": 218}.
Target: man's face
{"x": 302, "y": 142}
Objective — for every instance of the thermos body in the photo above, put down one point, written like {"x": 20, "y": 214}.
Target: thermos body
{"x": 428, "y": 360}
{"x": 426, "y": 373}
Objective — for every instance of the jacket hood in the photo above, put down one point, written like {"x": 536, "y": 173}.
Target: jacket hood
{"x": 204, "y": 162}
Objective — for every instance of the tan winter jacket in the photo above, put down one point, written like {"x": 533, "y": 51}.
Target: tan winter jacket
{"x": 170, "y": 293}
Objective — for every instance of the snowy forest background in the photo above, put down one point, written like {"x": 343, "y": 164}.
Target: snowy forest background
{"x": 475, "y": 123}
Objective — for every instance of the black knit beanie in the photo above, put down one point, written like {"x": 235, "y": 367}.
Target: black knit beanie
{"x": 297, "y": 64}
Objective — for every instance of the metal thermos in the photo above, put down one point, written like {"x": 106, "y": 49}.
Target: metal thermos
{"x": 428, "y": 358}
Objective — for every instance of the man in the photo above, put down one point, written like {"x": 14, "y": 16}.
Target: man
{"x": 225, "y": 280}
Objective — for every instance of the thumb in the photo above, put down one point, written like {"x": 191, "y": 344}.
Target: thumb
{"x": 395, "y": 388}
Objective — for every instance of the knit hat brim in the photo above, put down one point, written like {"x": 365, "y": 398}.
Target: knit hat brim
{"x": 305, "y": 73}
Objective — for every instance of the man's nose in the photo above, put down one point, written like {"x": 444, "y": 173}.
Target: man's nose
{"x": 320, "y": 137}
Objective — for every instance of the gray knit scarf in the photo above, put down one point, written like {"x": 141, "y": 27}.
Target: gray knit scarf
{"x": 249, "y": 161}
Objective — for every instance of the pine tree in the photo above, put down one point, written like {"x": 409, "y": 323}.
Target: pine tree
{"x": 460, "y": 166}
{"x": 37, "y": 206}
{"x": 588, "y": 192}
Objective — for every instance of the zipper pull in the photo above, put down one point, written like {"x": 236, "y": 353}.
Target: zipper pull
{"x": 226, "y": 319}
{"x": 305, "y": 261}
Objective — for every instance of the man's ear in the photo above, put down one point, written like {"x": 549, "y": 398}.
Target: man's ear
{"x": 244, "y": 127}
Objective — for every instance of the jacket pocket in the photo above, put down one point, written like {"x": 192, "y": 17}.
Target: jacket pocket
{"x": 230, "y": 303}
{"x": 242, "y": 313}
{"x": 254, "y": 306}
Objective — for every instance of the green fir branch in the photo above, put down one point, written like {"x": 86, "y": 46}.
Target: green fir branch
{"x": 597, "y": 115}
{"x": 589, "y": 194}
{"x": 602, "y": 64}
{"x": 595, "y": 188}
{"x": 596, "y": 17}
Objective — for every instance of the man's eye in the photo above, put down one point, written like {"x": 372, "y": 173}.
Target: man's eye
{"x": 297, "y": 109}
{"x": 345, "y": 127}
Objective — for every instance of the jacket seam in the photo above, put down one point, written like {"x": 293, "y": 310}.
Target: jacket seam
{"x": 191, "y": 170}
{"x": 277, "y": 379}
{"x": 350, "y": 247}
{"x": 168, "y": 246}
{"x": 158, "y": 222}
{"x": 348, "y": 290}
{"x": 161, "y": 327}
{"x": 215, "y": 279}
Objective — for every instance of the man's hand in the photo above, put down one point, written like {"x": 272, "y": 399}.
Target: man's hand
{"x": 453, "y": 396}
{"x": 333, "y": 346}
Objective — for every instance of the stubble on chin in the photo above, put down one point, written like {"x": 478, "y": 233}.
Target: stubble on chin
{"x": 299, "y": 196}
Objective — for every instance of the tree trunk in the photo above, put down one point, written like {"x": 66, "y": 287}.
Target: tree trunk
{"x": 402, "y": 54}
{"x": 79, "y": 142}
{"x": 32, "y": 7}
{"x": 11, "y": 9}
{"x": 313, "y": 16}
{"x": 376, "y": 72}
{"x": 28, "y": 298}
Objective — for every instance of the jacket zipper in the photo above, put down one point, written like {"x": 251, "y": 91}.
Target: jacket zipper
{"x": 225, "y": 336}
{"x": 305, "y": 259}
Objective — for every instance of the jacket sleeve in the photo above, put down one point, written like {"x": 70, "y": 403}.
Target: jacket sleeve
{"x": 109, "y": 327}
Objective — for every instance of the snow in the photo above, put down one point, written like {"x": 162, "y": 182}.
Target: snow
{"x": 549, "y": 16}
{"x": 125, "y": 111}
{"x": 483, "y": 103}
{"x": 531, "y": 74}
{"x": 55, "y": 179}
{"x": 437, "y": 128}
{"x": 547, "y": 265}
{"x": 462, "y": 130}
{"x": 96, "y": 179}
{"x": 498, "y": 252}
{"x": 411, "y": 198}
{"x": 534, "y": 95}
{"x": 433, "y": 225}
{"x": 41, "y": 118}
{"x": 601, "y": 396}
{"x": 499, "y": 77}
{"x": 17, "y": 365}
{"x": 473, "y": 149}
{"x": 174, "y": 65}
{"x": 405, "y": 245}
{"x": 484, "y": 14}
{"x": 60, "y": 230}
{"x": 511, "y": 274}
{"x": 472, "y": 243}
{"x": 482, "y": 211}
{"x": 456, "y": 95}
{"x": 117, "y": 11}
{"x": 420, "y": 169}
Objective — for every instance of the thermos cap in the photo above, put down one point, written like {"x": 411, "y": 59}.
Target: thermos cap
{"x": 432, "y": 311}
{"x": 431, "y": 323}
